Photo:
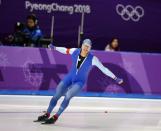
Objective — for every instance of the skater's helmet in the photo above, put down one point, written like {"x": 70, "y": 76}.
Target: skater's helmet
{"x": 87, "y": 42}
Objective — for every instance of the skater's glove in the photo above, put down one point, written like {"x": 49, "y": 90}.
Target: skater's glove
{"x": 51, "y": 46}
{"x": 119, "y": 80}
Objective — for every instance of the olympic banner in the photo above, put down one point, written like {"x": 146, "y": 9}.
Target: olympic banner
{"x": 135, "y": 23}
{"x": 38, "y": 69}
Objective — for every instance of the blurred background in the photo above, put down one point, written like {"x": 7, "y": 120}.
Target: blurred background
{"x": 117, "y": 25}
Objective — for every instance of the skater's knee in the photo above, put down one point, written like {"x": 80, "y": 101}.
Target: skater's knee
{"x": 67, "y": 97}
{"x": 57, "y": 96}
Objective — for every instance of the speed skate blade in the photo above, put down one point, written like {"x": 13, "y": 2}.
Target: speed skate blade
{"x": 37, "y": 121}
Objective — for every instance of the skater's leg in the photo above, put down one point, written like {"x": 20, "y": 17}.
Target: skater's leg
{"x": 60, "y": 90}
{"x": 69, "y": 94}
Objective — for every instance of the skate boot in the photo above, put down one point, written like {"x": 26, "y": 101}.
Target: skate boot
{"x": 51, "y": 120}
{"x": 43, "y": 117}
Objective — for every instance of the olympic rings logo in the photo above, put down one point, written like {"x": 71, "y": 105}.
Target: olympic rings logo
{"x": 129, "y": 12}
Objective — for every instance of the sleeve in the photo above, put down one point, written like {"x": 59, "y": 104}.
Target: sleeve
{"x": 105, "y": 70}
{"x": 64, "y": 50}
{"x": 107, "y": 48}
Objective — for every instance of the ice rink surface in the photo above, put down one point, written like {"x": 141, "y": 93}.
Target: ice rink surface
{"x": 84, "y": 114}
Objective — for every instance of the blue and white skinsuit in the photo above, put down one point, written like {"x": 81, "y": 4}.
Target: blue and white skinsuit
{"x": 76, "y": 78}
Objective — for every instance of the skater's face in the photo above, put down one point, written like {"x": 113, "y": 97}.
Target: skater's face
{"x": 86, "y": 48}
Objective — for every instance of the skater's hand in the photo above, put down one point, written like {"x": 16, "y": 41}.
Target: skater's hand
{"x": 119, "y": 81}
{"x": 51, "y": 46}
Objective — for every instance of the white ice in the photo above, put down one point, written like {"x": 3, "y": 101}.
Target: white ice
{"x": 84, "y": 114}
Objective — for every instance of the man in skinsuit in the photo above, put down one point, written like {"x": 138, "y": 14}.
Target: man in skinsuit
{"x": 82, "y": 62}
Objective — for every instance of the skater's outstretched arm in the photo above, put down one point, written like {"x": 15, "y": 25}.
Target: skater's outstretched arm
{"x": 105, "y": 70}
{"x": 62, "y": 50}
{"x": 65, "y": 50}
